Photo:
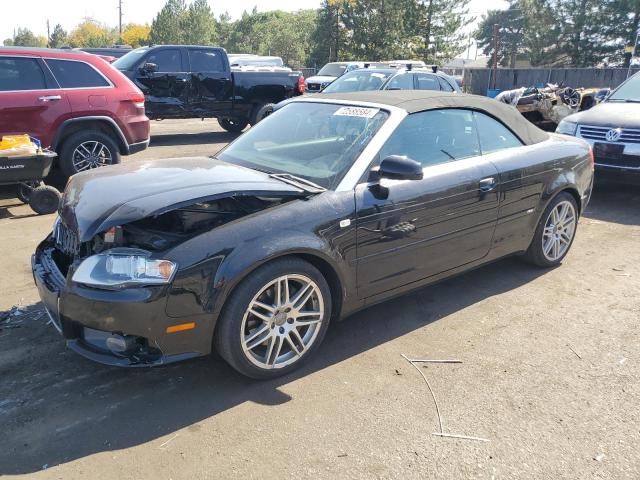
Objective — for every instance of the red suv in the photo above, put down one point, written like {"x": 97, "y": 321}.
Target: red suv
{"x": 73, "y": 102}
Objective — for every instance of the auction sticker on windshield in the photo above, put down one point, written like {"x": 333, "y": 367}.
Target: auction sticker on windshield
{"x": 363, "y": 112}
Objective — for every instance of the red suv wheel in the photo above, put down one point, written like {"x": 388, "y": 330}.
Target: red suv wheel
{"x": 87, "y": 150}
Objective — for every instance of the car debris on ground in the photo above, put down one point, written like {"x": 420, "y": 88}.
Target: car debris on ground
{"x": 546, "y": 106}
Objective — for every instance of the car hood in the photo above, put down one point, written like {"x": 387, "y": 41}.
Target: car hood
{"x": 109, "y": 196}
{"x": 320, "y": 79}
{"x": 610, "y": 114}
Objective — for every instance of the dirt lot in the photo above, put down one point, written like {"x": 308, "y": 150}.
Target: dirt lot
{"x": 550, "y": 376}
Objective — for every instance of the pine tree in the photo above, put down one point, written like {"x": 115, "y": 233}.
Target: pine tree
{"x": 323, "y": 38}
{"x": 441, "y": 23}
{"x": 26, "y": 38}
{"x": 224, "y": 27}
{"x": 622, "y": 27}
{"x": 582, "y": 40}
{"x": 199, "y": 24}
{"x": 167, "y": 27}
{"x": 511, "y": 32}
{"x": 58, "y": 37}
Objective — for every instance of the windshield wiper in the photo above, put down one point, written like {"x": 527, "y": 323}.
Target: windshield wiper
{"x": 623, "y": 100}
{"x": 302, "y": 183}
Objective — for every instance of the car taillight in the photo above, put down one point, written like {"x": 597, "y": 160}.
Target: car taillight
{"x": 137, "y": 98}
{"x": 301, "y": 84}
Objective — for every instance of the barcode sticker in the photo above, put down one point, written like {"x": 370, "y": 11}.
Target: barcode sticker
{"x": 363, "y": 112}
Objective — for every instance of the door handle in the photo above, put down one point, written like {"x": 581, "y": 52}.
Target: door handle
{"x": 50, "y": 98}
{"x": 487, "y": 184}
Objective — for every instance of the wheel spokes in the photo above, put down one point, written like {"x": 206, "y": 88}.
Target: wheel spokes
{"x": 257, "y": 337}
{"x": 282, "y": 321}
{"x": 558, "y": 231}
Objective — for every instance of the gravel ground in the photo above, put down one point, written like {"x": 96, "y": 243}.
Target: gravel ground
{"x": 549, "y": 376}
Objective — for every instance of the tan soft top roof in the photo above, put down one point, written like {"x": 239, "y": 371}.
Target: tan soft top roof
{"x": 420, "y": 100}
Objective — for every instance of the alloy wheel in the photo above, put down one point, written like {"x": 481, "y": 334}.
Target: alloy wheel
{"x": 559, "y": 230}
{"x": 282, "y": 321}
{"x": 91, "y": 154}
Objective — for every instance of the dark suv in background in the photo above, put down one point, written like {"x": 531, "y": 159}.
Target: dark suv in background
{"x": 73, "y": 102}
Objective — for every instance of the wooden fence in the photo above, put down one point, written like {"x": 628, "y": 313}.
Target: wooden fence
{"x": 479, "y": 80}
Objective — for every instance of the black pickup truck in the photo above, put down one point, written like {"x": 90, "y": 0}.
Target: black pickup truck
{"x": 185, "y": 81}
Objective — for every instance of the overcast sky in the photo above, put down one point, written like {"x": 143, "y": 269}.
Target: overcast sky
{"x": 33, "y": 14}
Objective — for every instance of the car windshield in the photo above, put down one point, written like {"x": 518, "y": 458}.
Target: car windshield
{"x": 333, "y": 69}
{"x": 358, "y": 81}
{"x": 315, "y": 141}
{"x": 126, "y": 62}
{"x": 628, "y": 92}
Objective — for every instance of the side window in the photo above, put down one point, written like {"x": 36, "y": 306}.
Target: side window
{"x": 21, "y": 74}
{"x": 401, "y": 82}
{"x": 73, "y": 74}
{"x": 434, "y": 136}
{"x": 167, "y": 60}
{"x": 444, "y": 85}
{"x": 494, "y": 135}
{"x": 206, "y": 61}
{"x": 426, "y": 81}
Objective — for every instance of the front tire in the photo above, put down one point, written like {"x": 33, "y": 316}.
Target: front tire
{"x": 275, "y": 319}
{"x": 555, "y": 232}
{"x": 233, "y": 125}
{"x": 86, "y": 150}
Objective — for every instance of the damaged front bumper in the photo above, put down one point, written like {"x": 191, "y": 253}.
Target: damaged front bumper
{"x": 125, "y": 328}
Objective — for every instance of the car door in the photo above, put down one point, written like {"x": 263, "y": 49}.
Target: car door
{"x": 30, "y": 100}
{"x": 85, "y": 86}
{"x": 524, "y": 172}
{"x": 210, "y": 82}
{"x": 410, "y": 230}
{"x": 164, "y": 79}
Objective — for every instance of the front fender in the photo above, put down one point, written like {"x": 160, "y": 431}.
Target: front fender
{"x": 252, "y": 254}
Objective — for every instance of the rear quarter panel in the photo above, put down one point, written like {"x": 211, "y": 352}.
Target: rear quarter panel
{"x": 530, "y": 176}
{"x": 263, "y": 87}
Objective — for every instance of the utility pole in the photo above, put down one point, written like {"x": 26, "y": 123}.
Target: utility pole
{"x": 496, "y": 46}
{"x": 633, "y": 53}
{"x": 120, "y": 18}
{"x": 48, "y": 35}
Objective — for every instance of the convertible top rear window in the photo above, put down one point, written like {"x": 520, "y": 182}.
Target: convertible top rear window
{"x": 316, "y": 141}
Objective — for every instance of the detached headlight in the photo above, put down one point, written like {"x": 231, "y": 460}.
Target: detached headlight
{"x": 567, "y": 127}
{"x": 124, "y": 267}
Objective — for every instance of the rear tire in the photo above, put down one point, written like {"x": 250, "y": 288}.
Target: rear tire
{"x": 44, "y": 199}
{"x": 555, "y": 232}
{"x": 233, "y": 125}
{"x": 266, "y": 330}
{"x": 86, "y": 150}
{"x": 260, "y": 112}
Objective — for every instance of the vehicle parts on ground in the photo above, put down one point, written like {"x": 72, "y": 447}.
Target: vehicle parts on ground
{"x": 547, "y": 106}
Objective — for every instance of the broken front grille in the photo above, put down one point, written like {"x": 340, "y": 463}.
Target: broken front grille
{"x": 66, "y": 239}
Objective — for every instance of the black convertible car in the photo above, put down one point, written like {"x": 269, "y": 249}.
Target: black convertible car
{"x": 327, "y": 206}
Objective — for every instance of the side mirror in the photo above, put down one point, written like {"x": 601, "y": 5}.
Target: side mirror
{"x": 397, "y": 167}
{"x": 149, "y": 68}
